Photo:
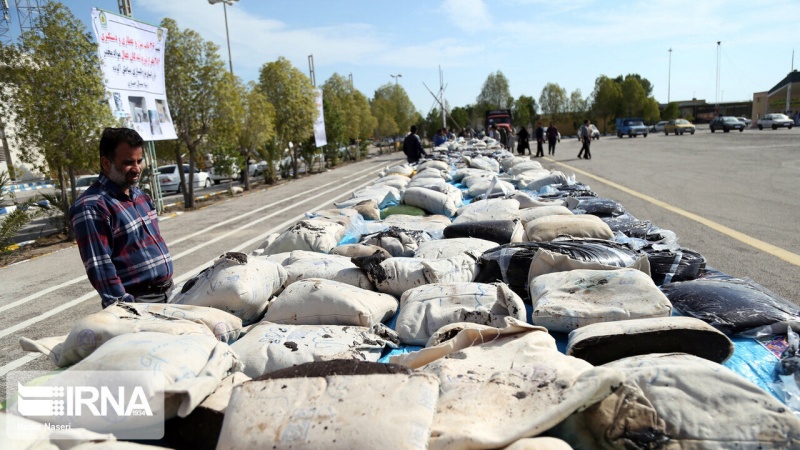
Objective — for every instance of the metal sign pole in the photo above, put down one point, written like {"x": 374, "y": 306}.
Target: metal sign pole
{"x": 155, "y": 186}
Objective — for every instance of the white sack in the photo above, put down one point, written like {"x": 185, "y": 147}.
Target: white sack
{"x": 545, "y": 229}
{"x": 270, "y": 346}
{"x": 396, "y": 275}
{"x": 433, "y": 164}
{"x": 489, "y": 209}
{"x": 433, "y": 225}
{"x": 302, "y": 265}
{"x": 525, "y": 200}
{"x": 90, "y": 332}
{"x": 397, "y": 241}
{"x": 507, "y": 163}
{"x": 446, "y": 248}
{"x": 431, "y": 201}
{"x": 564, "y": 301}
{"x": 235, "y": 283}
{"x": 460, "y": 174}
{"x": 425, "y": 309}
{"x": 400, "y": 169}
{"x": 484, "y": 163}
{"x": 531, "y": 214}
{"x": 337, "y": 412}
{"x": 354, "y": 250}
{"x": 315, "y": 235}
{"x": 524, "y": 166}
{"x": 397, "y": 181}
{"x": 555, "y": 177}
{"x": 431, "y": 173}
{"x": 315, "y": 301}
{"x": 682, "y": 402}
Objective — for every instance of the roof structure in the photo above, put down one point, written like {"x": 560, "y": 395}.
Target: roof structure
{"x": 793, "y": 77}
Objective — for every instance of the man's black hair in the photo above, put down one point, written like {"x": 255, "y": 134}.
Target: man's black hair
{"x": 413, "y": 128}
{"x": 112, "y": 137}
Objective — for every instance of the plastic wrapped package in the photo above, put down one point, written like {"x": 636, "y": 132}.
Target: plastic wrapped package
{"x": 734, "y": 306}
{"x": 669, "y": 266}
{"x": 600, "y": 207}
{"x": 788, "y": 384}
{"x": 511, "y": 263}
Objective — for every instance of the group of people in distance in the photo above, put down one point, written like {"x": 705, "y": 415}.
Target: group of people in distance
{"x": 412, "y": 145}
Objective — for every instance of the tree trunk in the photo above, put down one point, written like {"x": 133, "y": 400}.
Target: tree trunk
{"x": 182, "y": 176}
{"x": 246, "y": 173}
{"x": 189, "y": 197}
{"x": 66, "y": 228}
{"x": 294, "y": 163}
{"x": 73, "y": 193}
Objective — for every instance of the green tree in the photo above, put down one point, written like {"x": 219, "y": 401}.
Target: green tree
{"x": 335, "y": 109}
{"x": 495, "y": 93}
{"x": 393, "y": 109}
{"x": 633, "y": 97}
{"x": 227, "y": 125}
{"x": 646, "y": 85}
{"x": 650, "y": 111}
{"x": 432, "y": 123}
{"x": 294, "y": 99}
{"x": 60, "y": 102}
{"x": 578, "y": 106}
{"x": 554, "y": 100}
{"x": 670, "y": 112}
{"x": 363, "y": 113}
{"x": 460, "y": 116}
{"x": 193, "y": 72}
{"x": 524, "y": 111}
{"x": 607, "y": 97}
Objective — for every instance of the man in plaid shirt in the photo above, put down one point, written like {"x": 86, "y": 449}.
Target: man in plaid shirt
{"x": 116, "y": 227}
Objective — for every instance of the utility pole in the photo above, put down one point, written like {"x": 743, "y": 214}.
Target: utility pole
{"x": 789, "y": 86}
{"x": 441, "y": 94}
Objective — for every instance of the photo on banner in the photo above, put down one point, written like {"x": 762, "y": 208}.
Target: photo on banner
{"x": 132, "y": 59}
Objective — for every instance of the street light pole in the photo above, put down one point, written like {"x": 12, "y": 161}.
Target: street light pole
{"x": 669, "y": 75}
{"x": 395, "y": 79}
{"x": 225, "y": 4}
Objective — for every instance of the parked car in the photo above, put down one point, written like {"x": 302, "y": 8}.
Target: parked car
{"x": 631, "y": 127}
{"x": 170, "y": 179}
{"x": 218, "y": 175}
{"x": 659, "y": 126}
{"x": 747, "y": 122}
{"x": 726, "y": 124}
{"x": 679, "y": 126}
{"x": 775, "y": 121}
{"x": 83, "y": 182}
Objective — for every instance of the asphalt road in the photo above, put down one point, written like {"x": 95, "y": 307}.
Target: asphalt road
{"x": 706, "y": 188}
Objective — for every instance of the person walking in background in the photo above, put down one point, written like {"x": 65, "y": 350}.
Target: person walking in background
{"x": 523, "y": 139}
{"x": 539, "y": 140}
{"x": 503, "y": 136}
{"x": 412, "y": 146}
{"x": 440, "y": 138}
{"x": 552, "y": 138}
{"x": 585, "y": 135}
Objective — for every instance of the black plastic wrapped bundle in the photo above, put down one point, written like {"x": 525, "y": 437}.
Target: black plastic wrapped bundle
{"x": 629, "y": 227}
{"x": 570, "y": 190}
{"x": 511, "y": 263}
{"x": 600, "y": 207}
{"x": 667, "y": 266}
{"x": 733, "y": 306}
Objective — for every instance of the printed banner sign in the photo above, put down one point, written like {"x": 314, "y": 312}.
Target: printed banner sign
{"x": 319, "y": 125}
{"x": 132, "y": 58}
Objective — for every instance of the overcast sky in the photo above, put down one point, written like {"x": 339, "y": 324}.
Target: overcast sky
{"x": 533, "y": 42}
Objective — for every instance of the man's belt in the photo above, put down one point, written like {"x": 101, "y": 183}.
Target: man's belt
{"x": 149, "y": 288}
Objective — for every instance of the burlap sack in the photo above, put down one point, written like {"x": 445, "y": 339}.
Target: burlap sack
{"x": 507, "y": 163}
{"x": 401, "y": 169}
{"x": 536, "y": 184}
{"x": 433, "y": 225}
{"x": 92, "y": 331}
{"x": 396, "y": 275}
{"x": 269, "y": 346}
{"x": 490, "y": 209}
{"x": 397, "y": 241}
{"x": 237, "y": 284}
{"x": 368, "y": 209}
{"x": 316, "y": 301}
{"x": 431, "y": 201}
{"x": 446, "y": 248}
{"x": 680, "y": 401}
{"x": 355, "y": 250}
{"x": 499, "y": 385}
{"x": 302, "y": 265}
{"x": 564, "y": 301}
{"x": 430, "y": 172}
{"x": 399, "y": 182}
{"x": 483, "y": 163}
{"x": 338, "y": 412}
{"x": 433, "y": 164}
{"x": 530, "y": 214}
{"x": 525, "y": 200}
{"x": 19, "y": 433}
{"x": 188, "y": 367}
{"x": 315, "y": 235}
{"x": 600, "y": 343}
{"x": 489, "y": 186}
{"x": 524, "y": 166}
{"x": 545, "y": 229}
{"x": 425, "y": 309}
{"x": 539, "y": 443}
{"x": 460, "y": 174}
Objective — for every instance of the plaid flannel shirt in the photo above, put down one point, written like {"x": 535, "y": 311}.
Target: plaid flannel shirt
{"x": 119, "y": 240}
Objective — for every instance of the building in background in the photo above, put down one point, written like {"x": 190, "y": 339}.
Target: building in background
{"x": 774, "y": 100}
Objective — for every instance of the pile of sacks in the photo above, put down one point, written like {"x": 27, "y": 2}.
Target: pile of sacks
{"x": 461, "y": 275}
